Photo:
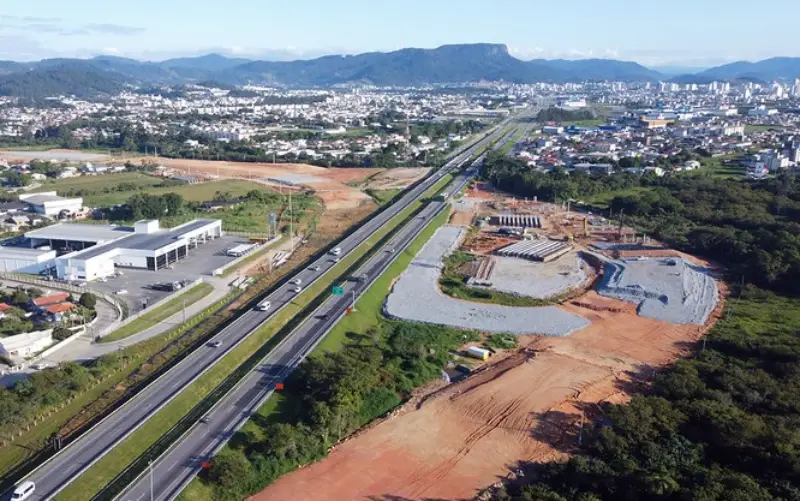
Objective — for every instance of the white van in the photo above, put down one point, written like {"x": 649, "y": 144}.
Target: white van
{"x": 23, "y": 491}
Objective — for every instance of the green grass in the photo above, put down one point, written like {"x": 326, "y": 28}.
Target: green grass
{"x": 383, "y": 197}
{"x": 762, "y": 128}
{"x": 105, "y": 470}
{"x": 200, "y": 192}
{"x": 161, "y": 313}
{"x": 92, "y": 183}
{"x": 368, "y": 307}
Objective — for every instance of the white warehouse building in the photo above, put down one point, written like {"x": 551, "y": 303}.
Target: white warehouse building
{"x": 147, "y": 247}
{"x": 50, "y": 204}
{"x": 22, "y": 260}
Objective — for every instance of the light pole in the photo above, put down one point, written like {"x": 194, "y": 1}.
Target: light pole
{"x": 151, "y": 479}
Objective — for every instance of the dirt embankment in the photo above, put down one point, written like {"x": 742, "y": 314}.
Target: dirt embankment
{"x": 526, "y": 407}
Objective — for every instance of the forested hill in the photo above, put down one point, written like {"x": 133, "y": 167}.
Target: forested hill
{"x": 82, "y": 80}
{"x": 723, "y": 425}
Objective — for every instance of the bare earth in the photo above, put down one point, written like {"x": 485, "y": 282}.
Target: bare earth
{"x": 329, "y": 184}
{"x": 526, "y": 407}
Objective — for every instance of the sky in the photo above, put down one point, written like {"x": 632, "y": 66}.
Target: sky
{"x": 688, "y": 33}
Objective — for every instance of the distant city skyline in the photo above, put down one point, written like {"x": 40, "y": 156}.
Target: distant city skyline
{"x": 688, "y": 34}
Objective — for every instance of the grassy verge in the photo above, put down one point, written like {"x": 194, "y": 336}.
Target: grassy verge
{"x": 382, "y": 197}
{"x": 114, "y": 463}
{"x": 453, "y": 283}
{"x": 251, "y": 258}
{"x": 368, "y": 308}
{"x": 161, "y": 313}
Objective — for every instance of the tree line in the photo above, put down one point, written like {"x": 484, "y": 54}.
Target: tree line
{"x": 329, "y": 397}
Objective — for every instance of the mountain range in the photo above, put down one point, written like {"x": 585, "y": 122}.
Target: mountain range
{"x": 405, "y": 67}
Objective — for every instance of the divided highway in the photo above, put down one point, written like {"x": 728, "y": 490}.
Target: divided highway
{"x": 182, "y": 462}
{"x": 58, "y": 472}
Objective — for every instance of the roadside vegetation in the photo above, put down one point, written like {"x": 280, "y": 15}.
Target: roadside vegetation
{"x": 382, "y": 197}
{"x": 160, "y": 314}
{"x": 365, "y": 367}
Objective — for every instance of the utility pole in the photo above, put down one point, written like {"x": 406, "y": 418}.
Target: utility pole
{"x": 291, "y": 231}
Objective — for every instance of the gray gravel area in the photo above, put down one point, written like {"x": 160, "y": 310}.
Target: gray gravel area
{"x": 540, "y": 280}
{"x": 673, "y": 290}
{"x": 416, "y": 297}
{"x": 298, "y": 179}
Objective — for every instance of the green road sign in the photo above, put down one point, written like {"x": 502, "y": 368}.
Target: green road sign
{"x": 338, "y": 290}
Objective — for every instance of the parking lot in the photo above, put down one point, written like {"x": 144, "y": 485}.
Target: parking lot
{"x": 137, "y": 283}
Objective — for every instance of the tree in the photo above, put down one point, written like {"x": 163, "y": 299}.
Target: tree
{"x": 20, "y": 298}
{"x": 61, "y": 333}
{"x": 88, "y": 300}
{"x": 231, "y": 470}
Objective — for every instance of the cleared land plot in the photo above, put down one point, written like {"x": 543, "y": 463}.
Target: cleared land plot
{"x": 672, "y": 290}
{"x": 161, "y": 313}
{"x": 524, "y": 408}
{"x": 416, "y": 297}
{"x": 200, "y": 192}
{"x": 334, "y": 193}
{"x": 99, "y": 183}
{"x": 397, "y": 178}
{"x": 538, "y": 280}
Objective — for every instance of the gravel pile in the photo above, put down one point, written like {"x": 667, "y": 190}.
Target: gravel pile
{"x": 672, "y": 290}
{"x": 416, "y": 297}
{"x": 539, "y": 280}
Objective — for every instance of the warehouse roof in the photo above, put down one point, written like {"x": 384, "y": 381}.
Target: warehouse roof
{"x": 8, "y": 252}
{"x": 147, "y": 241}
{"x": 81, "y": 232}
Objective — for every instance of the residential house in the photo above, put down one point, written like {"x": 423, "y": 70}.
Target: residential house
{"x": 3, "y": 309}
{"x": 57, "y": 312}
{"x": 25, "y": 345}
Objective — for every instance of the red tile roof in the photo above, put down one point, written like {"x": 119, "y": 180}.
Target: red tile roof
{"x": 4, "y": 307}
{"x": 59, "y": 308}
{"x": 58, "y": 297}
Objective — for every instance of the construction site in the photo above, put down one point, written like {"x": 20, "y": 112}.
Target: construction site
{"x": 616, "y": 307}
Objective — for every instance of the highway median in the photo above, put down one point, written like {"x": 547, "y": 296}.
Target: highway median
{"x": 178, "y": 415}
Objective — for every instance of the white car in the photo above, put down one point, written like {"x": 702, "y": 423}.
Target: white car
{"x": 297, "y": 281}
{"x": 314, "y": 268}
{"x": 23, "y": 491}
{"x": 121, "y": 292}
{"x": 297, "y": 289}
{"x": 215, "y": 344}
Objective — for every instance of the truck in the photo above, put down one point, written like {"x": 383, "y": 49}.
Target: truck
{"x": 264, "y": 305}
{"x": 336, "y": 251}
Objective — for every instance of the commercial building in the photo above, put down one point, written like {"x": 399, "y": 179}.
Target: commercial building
{"x": 50, "y": 204}
{"x": 146, "y": 247}
{"x": 22, "y": 260}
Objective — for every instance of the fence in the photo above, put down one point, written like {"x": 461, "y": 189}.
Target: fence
{"x": 108, "y": 330}
{"x": 221, "y": 270}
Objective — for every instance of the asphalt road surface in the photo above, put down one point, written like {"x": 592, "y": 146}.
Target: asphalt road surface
{"x": 55, "y": 474}
{"x": 168, "y": 476}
